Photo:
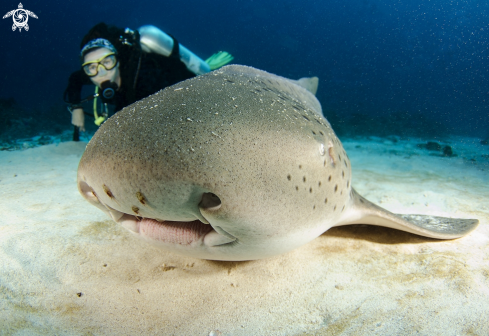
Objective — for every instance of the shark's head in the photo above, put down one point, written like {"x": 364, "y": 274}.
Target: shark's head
{"x": 237, "y": 164}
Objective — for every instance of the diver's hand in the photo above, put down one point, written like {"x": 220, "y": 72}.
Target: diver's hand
{"x": 78, "y": 118}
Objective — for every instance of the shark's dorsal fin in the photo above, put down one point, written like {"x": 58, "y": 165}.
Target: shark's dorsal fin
{"x": 308, "y": 83}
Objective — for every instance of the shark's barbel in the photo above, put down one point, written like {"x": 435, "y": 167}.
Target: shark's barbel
{"x": 236, "y": 164}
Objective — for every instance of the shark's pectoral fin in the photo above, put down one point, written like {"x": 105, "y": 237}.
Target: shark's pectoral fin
{"x": 365, "y": 212}
{"x": 442, "y": 226}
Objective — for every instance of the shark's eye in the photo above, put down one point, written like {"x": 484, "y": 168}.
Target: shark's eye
{"x": 210, "y": 201}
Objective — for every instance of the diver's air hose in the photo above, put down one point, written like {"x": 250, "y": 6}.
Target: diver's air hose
{"x": 98, "y": 119}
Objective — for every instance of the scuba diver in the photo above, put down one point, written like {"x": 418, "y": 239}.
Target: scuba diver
{"x": 128, "y": 65}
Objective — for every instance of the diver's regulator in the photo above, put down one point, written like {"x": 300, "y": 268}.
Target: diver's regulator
{"x": 106, "y": 93}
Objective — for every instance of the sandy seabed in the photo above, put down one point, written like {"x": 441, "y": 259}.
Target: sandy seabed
{"x": 67, "y": 269}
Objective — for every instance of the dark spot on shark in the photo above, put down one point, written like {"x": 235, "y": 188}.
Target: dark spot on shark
{"x": 107, "y": 191}
{"x": 141, "y": 198}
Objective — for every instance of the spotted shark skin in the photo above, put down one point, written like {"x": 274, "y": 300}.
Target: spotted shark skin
{"x": 236, "y": 164}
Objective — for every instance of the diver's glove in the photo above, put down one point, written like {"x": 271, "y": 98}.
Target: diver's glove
{"x": 78, "y": 118}
{"x": 219, "y": 59}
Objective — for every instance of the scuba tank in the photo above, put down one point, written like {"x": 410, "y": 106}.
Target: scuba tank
{"x": 152, "y": 39}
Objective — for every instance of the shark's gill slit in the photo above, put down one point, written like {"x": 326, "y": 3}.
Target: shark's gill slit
{"x": 210, "y": 201}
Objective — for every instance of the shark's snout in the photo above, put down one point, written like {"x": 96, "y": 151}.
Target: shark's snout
{"x": 167, "y": 232}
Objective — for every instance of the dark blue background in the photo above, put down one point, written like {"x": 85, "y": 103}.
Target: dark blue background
{"x": 376, "y": 58}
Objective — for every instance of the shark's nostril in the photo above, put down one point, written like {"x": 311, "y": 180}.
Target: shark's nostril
{"x": 87, "y": 192}
{"x": 90, "y": 195}
{"x": 210, "y": 201}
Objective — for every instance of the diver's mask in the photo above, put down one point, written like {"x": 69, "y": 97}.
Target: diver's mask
{"x": 108, "y": 90}
{"x": 108, "y": 62}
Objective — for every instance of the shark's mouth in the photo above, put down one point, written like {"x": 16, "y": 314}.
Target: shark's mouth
{"x": 192, "y": 233}
{"x": 172, "y": 232}
{"x": 182, "y": 233}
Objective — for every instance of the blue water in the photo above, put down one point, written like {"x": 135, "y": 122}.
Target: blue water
{"x": 418, "y": 62}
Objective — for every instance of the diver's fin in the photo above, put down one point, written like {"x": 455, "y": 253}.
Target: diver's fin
{"x": 219, "y": 59}
{"x": 308, "y": 83}
{"x": 365, "y": 212}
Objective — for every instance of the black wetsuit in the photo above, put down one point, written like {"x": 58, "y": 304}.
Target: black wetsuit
{"x": 142, "y": 74}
